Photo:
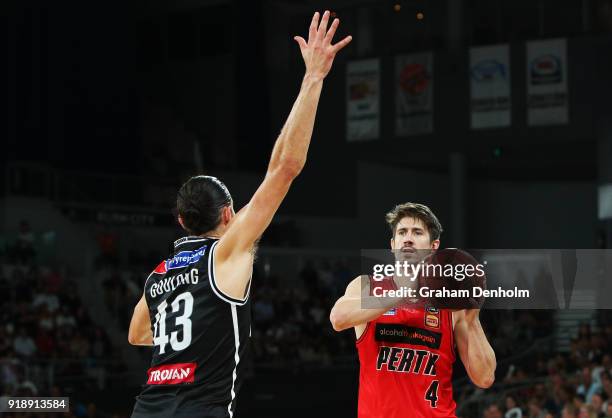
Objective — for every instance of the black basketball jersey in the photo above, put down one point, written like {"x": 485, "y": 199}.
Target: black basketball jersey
{"x": 200, "y": 336}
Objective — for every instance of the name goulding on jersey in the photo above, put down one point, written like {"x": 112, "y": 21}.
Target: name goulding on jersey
{"x": 168, "y": 284}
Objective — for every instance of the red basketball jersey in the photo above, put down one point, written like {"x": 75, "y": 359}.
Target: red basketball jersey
{"x": 406, "y": 361}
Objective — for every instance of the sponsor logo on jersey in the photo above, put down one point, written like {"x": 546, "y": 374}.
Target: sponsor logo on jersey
{"x": 406, "y": 360}
{"x": 397, "y": 333}
{"x": 390, "y": 312}
{"x": 432, "y": 318}
{"x": 161, "y": 268}
{"x": 172, "y": 374}
{"x": 185, "y": 258}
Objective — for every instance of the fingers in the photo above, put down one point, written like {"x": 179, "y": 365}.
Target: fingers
{"x": 323, "y": 26}
{"x": 314, "y": 24}
{"x": 301, "y": 42}
{"x": 337, "y": 47}
{"x": 332, "y": 30}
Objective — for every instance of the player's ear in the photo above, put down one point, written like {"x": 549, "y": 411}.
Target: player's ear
{"x": 180, "y": 221}
{"x": 227, "y": 214}
{"x": 392, "y": 243}
{"x": 435, "y": 244}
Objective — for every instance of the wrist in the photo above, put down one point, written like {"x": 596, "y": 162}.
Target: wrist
{"x": 471, "y": 316}
{"x": 313, "y": 78}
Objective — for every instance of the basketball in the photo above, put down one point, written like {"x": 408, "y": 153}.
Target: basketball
{"x": 448, "y": 279}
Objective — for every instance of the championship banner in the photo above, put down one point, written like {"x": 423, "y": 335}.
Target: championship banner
{"x": 414, "y": 94}
{"x": 490, "y": 100}
{"x": 547, "y": 98}
{"x": 362, "y": 100}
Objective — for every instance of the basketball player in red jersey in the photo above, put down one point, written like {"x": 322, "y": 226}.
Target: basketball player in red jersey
{"x": 406, "y": 353}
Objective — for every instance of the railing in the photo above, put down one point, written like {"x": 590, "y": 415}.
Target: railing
{"x": 36, "y": 180}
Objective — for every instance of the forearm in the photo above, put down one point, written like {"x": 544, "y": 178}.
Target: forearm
{"x": 291, "y": 147}
{"x": 480, "y": 361}
{"x": 350, "y": 312}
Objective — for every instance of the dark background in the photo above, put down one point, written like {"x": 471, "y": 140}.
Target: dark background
{"x": 107, "y": 107}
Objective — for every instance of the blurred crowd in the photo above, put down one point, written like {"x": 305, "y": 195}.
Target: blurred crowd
{"x": 577, "y": 384}
{"x": 291, "y": 317}
{"x": 48, "y": 340}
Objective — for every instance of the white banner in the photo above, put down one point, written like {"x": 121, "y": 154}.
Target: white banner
{"x": 490, "y": 100}
{"x": 414, "y": 94}
{"x": 547, "y": 98}
{"x": 362, "y": 100}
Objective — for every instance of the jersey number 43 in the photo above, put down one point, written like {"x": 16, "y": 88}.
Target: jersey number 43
{"x": 160, "y": 338}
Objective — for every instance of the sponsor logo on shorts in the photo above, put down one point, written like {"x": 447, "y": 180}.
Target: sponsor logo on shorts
{"x": 172, "y": 374}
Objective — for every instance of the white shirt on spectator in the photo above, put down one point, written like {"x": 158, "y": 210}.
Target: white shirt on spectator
{"x": 65, "y": 320}
{"x": 44, "y": 298}
{"x": 24, "y": 346}
{"x": 514, "y": 413}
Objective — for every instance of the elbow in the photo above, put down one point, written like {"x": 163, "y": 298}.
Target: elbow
{"x": 132, "y": 339}
{"x": 290, "y": 167}
{"x": 338, "y": 321}
{"x": 486, "y": 382}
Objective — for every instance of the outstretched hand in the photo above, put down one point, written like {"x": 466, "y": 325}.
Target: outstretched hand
{"x": 318, "y": 52}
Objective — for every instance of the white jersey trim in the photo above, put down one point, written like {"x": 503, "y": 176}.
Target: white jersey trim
{"x": 213, "y": 283}
{"x": 236, "y": 359}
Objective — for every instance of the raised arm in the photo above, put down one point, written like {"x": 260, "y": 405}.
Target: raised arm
{"x": 475, "y": 351}
{"x": 348, "y": 311}
{"x": 289, "y": 152}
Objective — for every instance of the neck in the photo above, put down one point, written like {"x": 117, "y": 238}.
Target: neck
{"x": 216, "y": 233}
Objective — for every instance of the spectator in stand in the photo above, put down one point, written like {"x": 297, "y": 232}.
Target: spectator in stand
{"x": 493, "y": 411}
{"x": 23, "y": 251}
{"x": 596, "y": 406}
{"x": 588, "y": 387}
{"x": 606, "y": 382}
{"x": 512, "y": 409}
{"x": 45, "y": 344}
{"x": 23, "y": 345}
{"x": 534, "y": 409}
{"x": 44, "y": 298}
{"x": 569, "y": 411}
{"x": 65, "y": 318}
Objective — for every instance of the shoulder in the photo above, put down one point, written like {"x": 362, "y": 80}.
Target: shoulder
{"x": 356, "y": 285}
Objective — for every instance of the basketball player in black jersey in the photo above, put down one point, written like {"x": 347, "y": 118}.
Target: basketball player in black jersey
{"x": 195, "y": 307}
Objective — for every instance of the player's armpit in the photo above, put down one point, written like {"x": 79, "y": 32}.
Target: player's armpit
{"x": 233, "y": 255}
{"x": 140, "y": 325}
{"x": 474, "y": 349}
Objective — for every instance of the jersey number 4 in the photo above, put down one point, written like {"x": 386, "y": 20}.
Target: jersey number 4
{"x": 160, "y": 338}
{"x": 432, "y": 394}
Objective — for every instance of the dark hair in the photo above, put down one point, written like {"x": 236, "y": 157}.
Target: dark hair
{"x": 417, "y": 211}
{"x": 199, "y": 203}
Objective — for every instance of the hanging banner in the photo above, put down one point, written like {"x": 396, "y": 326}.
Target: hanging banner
{"x": 414, "y": 94}
{"x": 362, "y": 100}
{"x": 547, "y": 98}
{"x": 490, "y": 86}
